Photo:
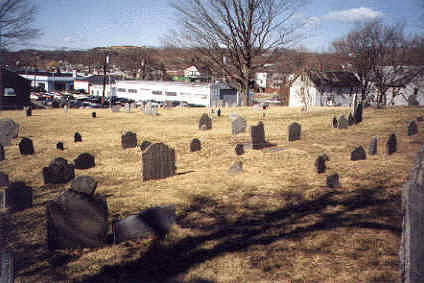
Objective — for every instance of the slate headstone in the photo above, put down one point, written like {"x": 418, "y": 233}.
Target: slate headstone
{"x": 342, "y": 123}
{"x": 84, "y": 184}
{"x": 77, "y": 137}
{"x": 4, "y": 179}
{"x": 358, "y": 113}
{"x": 205, "y": 122}
{"x": 93, "y": 115}
{"x": 58, "y": 172}
{"x": 239, "y": 149}
{"x": 59, "y": 146}
{"x": 195, "y": 145}
{"x": 18, "y": 196}
{"x": 334, "y": 123}
{"x": 7, "y": 267}
{"x": 412, "y": 128}
{"x": 26, "y": 147}
{"x": 333, "y": 180}
{"x": 158, "y": 161}
{"x": 293, "y": 132}
{"x": 145, "y": 144}
{"x": 236, "y": 168}
{"x": 129, "y": 140}
{"x": 358, "y": 154}
{"x": 391, "y": 145}
{"x": 257, "y": 136}
{"x": 2, "y": 153}
{"x": 76, "y": 220}
{"x": 372, "y": 149}
{"x": 84, "y": 161}
{"x": 238, "y": 125}
{"x": 320, "y": 163}
{"x": 350, "y": 120}
{"x": 8, "y": 130}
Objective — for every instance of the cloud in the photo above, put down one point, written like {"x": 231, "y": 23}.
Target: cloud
{"x": 353, "y": 15}
{"x": 67, "y": 39}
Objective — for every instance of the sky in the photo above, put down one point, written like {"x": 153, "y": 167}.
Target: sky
{"x": 84, "y": 24}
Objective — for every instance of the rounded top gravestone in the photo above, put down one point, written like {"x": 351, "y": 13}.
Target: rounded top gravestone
{"x": 294, "y": 132}
{"x": 8, "y": 130}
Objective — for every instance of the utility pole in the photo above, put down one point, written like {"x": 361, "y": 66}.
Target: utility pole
{"x": 104, "y": 77}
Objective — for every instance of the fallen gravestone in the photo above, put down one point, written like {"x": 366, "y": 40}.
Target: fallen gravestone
{"x": 350, "y": 120}
{"x": 412, "y": 128}
{"x": 205, "y": 122}
{"x": 342, "y": 123}
{"x": 26, "y": 147}
{"x": 4, "y": 179}
{"x": 236, "y": 168}
{"x": 195, "y": 145}
{"x": 320, "y": 163}
{"x": 93, "y": 115}
{"x": 372, "y": 149}
{"x": 158, "y": 161}
{"x": 358, "y": 154}
{"x": 58, "y": 172}
{"x": 334, "y": 123}
{"x": 77, "y": 137}
{"x": 333, "y": 180}
{"x": 59, "y": 146}
{"x": 18, "y": 196}
{"x": 8, "y": 130}
{"x": 144, "y": 145}
{"x": 7, "y": 267}
{"x": 84, "y": 184}
{"x": 238, "y": 125}
{"x": 129, "y": 140}
{"x": 293, "y": 132}
{"x": 239, "y": 149}
{"x": 2, "y": 153}
{"x": 257, "y": 136}
{"x": 391, "y": 145}
{"x": 76, "y": 220}
{"x": 84, "y": 161}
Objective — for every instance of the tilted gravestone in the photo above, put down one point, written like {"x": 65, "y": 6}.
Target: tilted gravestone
{"x": 333, "y": 180}
{"x": 239, "y": 149}
{"x": 257, "y": 136}
{"x": 350, "y": 120}
{"x": 158, "y": 161}
{"x": 342, "y": 123}
{"x": 58, "y": 172}
{"x": 7, "y": 267}
{"x": 84, "y": 161}
{"x": 412, "y": 128}
{"x": 238, "y": 125}
{"x": 411, "y": 252}
{"x": 84, "y": 184}
{"x": 18, "y": 196}
{"x": 320, "y": 163}
{"x": 145, "y": 144}
{"x": 59, "y": 146}
{"x": 391, "y": 145}
{"x": 236, "y": 168}
{"x": 77, "y": 137}
{"x": 358, "y": 154}
{"x": 93, "y": 115}
{"x": 293, "y": 132}
{"x": 4, "y": 179}
{"x": 195, "y": 145}
{"x": 357, "y": 115}
{"x": 334, "y": 123}
{"x": 129, "y": 140}
{"x": 76, "y": 220}
{"x": 372, "y": 149}
{"x": 26, "y": 147}
{"x": 8, "y": 130}
{"x": 205, "y": 122}
{"x": 2, "y": 153}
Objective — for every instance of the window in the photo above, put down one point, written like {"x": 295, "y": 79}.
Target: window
{"x": 132, "y": 90}
{"x": 9, "y": 92}
{"x": 170, "y": 93}
{"x": 157, "y": 92}
{"x": 122, "y": 90}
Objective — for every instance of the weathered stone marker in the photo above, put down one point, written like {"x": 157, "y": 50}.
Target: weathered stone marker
{"x": 357, "y": 115}
{"x": 205, "y": 122}
{"x": 412, "y": 128}
{"x": 129, "y": 140}
{"x": 334, "y": 123}
{"x": 7, "y": 267}
{"x": 93, "y": 115}
{"x": 26, "y": 147}
{"x": 239, "y": 149}
{"x": 77, "y": 137}
{"x": 333, "y": 180}
{"x": 236, "y": 168}
{"x": 391, "y": 145}
{"x": 195, "y": 145}
{"x": 8, "y": 130}
{"x": 238, "y": 125}
{"x": 18, "y": 196}
{"x": 59, "y": 146}
{"x": 358, "y": 154}
{"x": 342, "y": 123}
{"x": 58, "y": 172}
{"x": 158, "y": 161}
{"x": 320, "y": 163}
{"x": 372, "y": 149}
{"x": 257, "y": 136}
{"x": 293, "y": 132}
{"x": 84, "y": 161}
{"x": 218, "y": 112}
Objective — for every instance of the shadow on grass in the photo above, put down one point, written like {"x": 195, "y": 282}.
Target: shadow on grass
{"x": 163, "y": 262}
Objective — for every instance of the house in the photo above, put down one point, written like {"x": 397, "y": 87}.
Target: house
{"x": 14, "y": 90}
{"x": 93, "y": 85}
{"x": 323, "y": 88}
{"x": 196, "y": 73}
{"x": 49, "y": 81}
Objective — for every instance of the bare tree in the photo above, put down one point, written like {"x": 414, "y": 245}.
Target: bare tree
{"x": 229, "y": 35}
{"x": 16, "y": 20}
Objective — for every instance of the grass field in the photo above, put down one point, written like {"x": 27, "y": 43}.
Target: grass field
{"x": 275, "y": 222}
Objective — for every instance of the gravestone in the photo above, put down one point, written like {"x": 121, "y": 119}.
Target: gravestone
{"x": 238, "y": 125}
{"x": 195, "y": 145}
{"x": 8, "y": 130}
{"x": 239, "y": 149}
{"x": 76, "y": 220}
{"x": 257, "y": 136}
{"x": 354, "y": 102}
{"x": 218, "y": 112}
{"x": 77, "y": 137}
{"x": 28, "y": 111}
{"x": 130, "y": 228}
{"x": 350, "y": 120}
{"x": 391, "y": 145}
{"x": 129, "y": 140}
{"x": 58, "y": 172}
{"x": 18, "y": 196}
{"x": 357, "y": 115}
{"x": 116, "y": 108}
{"x": 59, "y": 146}
{"x": 127, "y": 107}
{"x": 320, "y": 163}
{"x": 7, "y": 267}
{"x": 334, "y": 123}
{"x": 342, "y": 123}
{"x": 236, "y": 168}
{"x": 65, "y": 108}
{"x": 358, "y": 154}
{"x": 333, "y": 180}
{"x": 412, "y": 128}
{"x": 84, "y": 161}
{"x": 26, "y": 147}
{"x": 293, "y": 132}
{"x": 84, "y": 184}
{"x": 372, "y": 149}
{"x": 4, "y": 179}
{"x": 158, "y": 161}
{"x": 2, "y": 153}
{"x": 145, "y": 144}
{"x": 93, "y": 115}
{"x": 205, "y": 122}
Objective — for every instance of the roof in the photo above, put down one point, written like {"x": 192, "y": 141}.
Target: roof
{"x": 43, "y": 73}
{"x": 334, "y": 79}
{"x": 98, "y": 79}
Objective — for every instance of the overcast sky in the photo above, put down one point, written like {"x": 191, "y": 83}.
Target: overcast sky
{"x": 83, "y": 24}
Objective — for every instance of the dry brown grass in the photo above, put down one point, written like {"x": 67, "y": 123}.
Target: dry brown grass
{"x": 276, "y": 222}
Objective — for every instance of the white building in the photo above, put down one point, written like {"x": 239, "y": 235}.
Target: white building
{"x": 204, "y": 94}
{"x": 93, "y": 85}
{"x": 49, "y": 81}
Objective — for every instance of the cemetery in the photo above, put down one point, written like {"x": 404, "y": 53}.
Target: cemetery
{"x": 186, "y": 196}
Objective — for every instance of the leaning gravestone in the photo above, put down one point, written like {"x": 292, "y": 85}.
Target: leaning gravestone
{"x": 59, "y": 146}
{"x": 26, "y": 147}
{"x": 257, "y": 136}
{"x": 294, "y": 132}
{"x": 4, "y": 179}
{"x": 238, "y": 125}
{"x": 58, "y": 172}
{"x": 334, "y": 123}
{"x": 372, "y": 149}
{"x": 195, "y": 145}
{"x": 77, "y": 137}
{"x": 76, "y": 220}
{"x": 7, "y": 267}
{"x": 391, "y": 145}
{"x": 84, "y": 161}
{"x": 333, "y": 180}
{"x": 8, "y": 130}
{"x": 412, "y": 128}
{"x": 342, "y": 123}
{"x": 129, "y": 140}
{"x": 239, "y": 149}
{"x": 205, "y": 122}
{"x": 350, "y": 120}
{"x": 358, "y": 154}
{"x": 320, "y": 163}
{"x": 2, "y": 153}
{"x": 84, "y": 184}
{"x": 18, "y": 196}
{"x": 158, "y": 161}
